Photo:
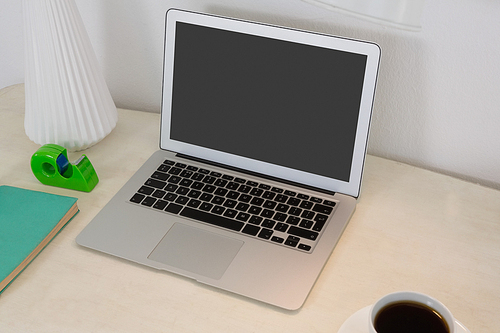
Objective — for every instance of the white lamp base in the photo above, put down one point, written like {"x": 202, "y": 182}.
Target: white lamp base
{"x": 67, "y": 100}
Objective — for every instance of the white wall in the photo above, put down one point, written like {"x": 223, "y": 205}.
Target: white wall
{"x": 438, "y": 97}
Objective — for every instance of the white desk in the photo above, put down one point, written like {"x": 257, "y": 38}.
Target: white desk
{"x": 412, "y": 230}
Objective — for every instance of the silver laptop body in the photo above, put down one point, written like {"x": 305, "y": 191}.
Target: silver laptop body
{"x": 251, "y": 113}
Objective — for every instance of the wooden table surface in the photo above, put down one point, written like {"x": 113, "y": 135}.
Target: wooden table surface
{"x": 412, "y": 230}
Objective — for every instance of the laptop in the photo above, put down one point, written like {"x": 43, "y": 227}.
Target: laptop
{"x": 263, "y": 139}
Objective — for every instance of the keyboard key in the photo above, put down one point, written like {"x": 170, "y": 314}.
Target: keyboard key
{"x": 282, "y": 208}
{"x": 244, "y": 189}
{"x": 242, "y": 206}
{"x": 218, "y": 200}
{"x": 232, "y": 186}
{"x": 197, "y": 185}
{"x": 160, "y": 204}
{"x": 322, "y": 209}
{"x": 307, "y": 214}
{"x": 220, "y": 182}
{"x": 280, "y": 217}
{"x": 245, "y": 198}
{"x": 256, "y": 192}
{"x": 269, "y": 204}
{"x": 169, "y": 162}
{"x": 320, "y": 223}
{"x": 209, "y": 180}
{"x": 257, "y": 201}
{"x": 317, "y": 200}
{"x": 198, "y": 176}
{"x": 240, "y": 180}
{"x": 185, "y": 182}
{"x": 194, "y": 203}
{"x": 221, "y": 192}
{"x": 293, "y": 201}
{"x": 163, "y": 168}
{"x": 213, "y": 219}
{"x": 182, "y": 200}
{"x": 251, "y": 230}
{"x": 254, "y": 210}
{"x": 306, "y": 204}
{"x": 267, "y": 213}
{"x": 281, "y": 198}
{"x": 306, "y": 224}
{"x": 321, "y": 218}
{"x": 304, "y": 247}
{"x": 268, "y": 223}
{"x": 281, "y": 227}
{"x": 155, "y": 183}
{"x": 170, "y": 196}
{"x": 146, "y": 190}
{"x": 230, "y": 203}
{"x": 232, "y": 195}
{"x": 186, "y": 173}
{"x": 265, "y": 234}
{"x": 277, "y": 190}
{"x": 174, "y": 179}
{"x": 269, "y": 195}
{"x": 308, "y": 234}
{"x": 231, "y": 213}
{"x": 243, "y": 216}
{"x": 218, "y": 210}
{"x": 206, "y": 197}
{"x": 292, "y": 241}
{"x": 206, "y": 206}
{"x": 295, "y": 211}
{"x": 171, "y": 187}
{"x": 174, "y": 171}
{"x": 137, "y": 198}
{"x": 182, "y": 190}
{"x": 277, "y": 239}
{"x": 293, "y": 220}
{"x": 290, "y": 193}
{"x": 159, "y": 194}
{"x": 173, "y": 208}
{"x": 148, "y": 201}
{"x": 209, "y": 188}
{"x": 194, "y": 194}
{"x": 255, "y": 219}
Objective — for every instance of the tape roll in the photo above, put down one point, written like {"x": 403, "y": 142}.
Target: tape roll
{"x": 62, "y": 164}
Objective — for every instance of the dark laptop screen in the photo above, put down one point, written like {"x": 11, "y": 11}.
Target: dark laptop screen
{"x": 280, "y": 102}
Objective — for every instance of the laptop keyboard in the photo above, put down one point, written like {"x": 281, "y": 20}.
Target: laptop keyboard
{"x": 260, "y": 210}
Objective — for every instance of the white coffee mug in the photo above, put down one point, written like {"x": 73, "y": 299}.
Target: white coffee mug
{"x": 414, "y": 297}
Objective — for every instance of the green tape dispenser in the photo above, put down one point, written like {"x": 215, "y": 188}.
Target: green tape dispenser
{"x": 50, "y": 166}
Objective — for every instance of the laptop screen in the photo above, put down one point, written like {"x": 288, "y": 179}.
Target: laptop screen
{"x": 260, "y": 98}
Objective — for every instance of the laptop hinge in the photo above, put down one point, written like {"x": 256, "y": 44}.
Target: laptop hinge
{"x": 253, "y": 173}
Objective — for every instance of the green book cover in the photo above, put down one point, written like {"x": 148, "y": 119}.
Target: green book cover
{"x": 28, "y": 222}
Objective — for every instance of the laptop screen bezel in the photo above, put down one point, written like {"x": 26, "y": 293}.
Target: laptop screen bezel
{"x": 371, "y": 50}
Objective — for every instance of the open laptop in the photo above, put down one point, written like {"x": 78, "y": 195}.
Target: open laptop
{"x": 263, "y": 140}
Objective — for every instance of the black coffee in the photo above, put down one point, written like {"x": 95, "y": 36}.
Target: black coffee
{"x": 409, "y": 317}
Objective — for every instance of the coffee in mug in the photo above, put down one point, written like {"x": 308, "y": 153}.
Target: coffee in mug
{"x": 410, "y": 312}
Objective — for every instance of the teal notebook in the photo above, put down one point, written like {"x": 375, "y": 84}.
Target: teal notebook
{"x": 28, "y": 222}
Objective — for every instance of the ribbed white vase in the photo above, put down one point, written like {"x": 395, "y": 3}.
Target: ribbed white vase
{"x": 67, "y": 100}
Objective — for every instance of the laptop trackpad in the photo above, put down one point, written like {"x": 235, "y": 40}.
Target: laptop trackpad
{"x": 196, "y": 250}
